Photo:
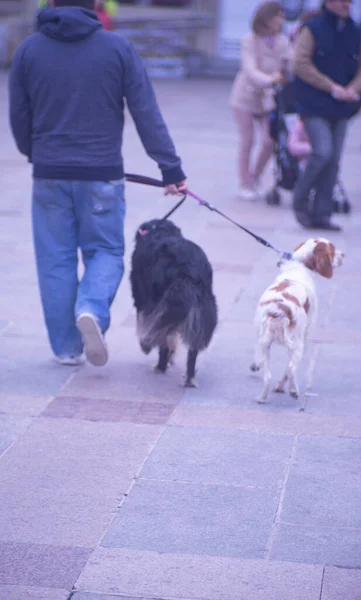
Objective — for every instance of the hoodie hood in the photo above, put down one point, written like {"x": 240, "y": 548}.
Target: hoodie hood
{"x": 68, "y": 24}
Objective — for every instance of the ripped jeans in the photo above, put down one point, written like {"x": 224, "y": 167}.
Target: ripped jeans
{"x": 67, "y": 216}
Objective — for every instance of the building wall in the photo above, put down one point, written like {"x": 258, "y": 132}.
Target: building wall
{"x": 172, "y": 41}
{"x": 235, "y": 16}
{"x": 16, "y": 22}
{"x": 192, "y": 37}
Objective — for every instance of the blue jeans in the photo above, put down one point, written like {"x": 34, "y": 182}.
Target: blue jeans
{"x": 68, "y": 215}
{"x": 327, "y": 140}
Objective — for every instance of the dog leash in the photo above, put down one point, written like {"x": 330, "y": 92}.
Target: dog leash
{"x": 174, "y": 208}
{"x": 157, "y": 183}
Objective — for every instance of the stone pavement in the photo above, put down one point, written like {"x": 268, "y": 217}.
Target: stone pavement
{"x": 117, "y": 483}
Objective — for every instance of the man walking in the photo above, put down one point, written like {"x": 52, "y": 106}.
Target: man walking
{"x": 326, "y": 89}
{"x": 68, "y": 84}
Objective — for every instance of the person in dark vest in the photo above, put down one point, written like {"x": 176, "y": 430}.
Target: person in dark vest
{"x": 327, "y": 86}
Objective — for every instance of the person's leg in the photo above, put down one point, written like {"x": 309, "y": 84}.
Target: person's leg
{"x": 323, "y": 203}
{"x": 55, "y": 242}
{"x": 100, "y": 210}
{"x": 320, "y": 134}
{"x": 267, "y": 147}
{"x": 244, "y": 120}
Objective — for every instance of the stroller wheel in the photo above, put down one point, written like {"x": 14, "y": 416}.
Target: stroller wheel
{"x": 336, "y": 206}
{"x": 346, "y": 207}
{"x": 273, "y": 198}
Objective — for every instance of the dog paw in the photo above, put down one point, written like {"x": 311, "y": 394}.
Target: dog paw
{"x": 254, "y": 367}
{"x": 190, "y": 383}
{"x": 260, "y": 399}
{"x": 145, "y": 348}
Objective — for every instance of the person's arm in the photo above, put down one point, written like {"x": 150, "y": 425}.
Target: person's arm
{"x": 19, "y": 106}
{"x": 286, "y": 53}
{"x": 355, "y": 84}
{"x": 149, "y": 122}
{"x": 249, "y": 65}
{"x": 303, "y": 66}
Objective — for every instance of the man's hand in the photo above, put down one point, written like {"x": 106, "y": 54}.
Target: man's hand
{"x": 176, "y": 188}
{"x": 347, "y": 94}
{"x": 351, "y": 95}
{"x": 339, "y": 93}
{"x": 278, "y": 78}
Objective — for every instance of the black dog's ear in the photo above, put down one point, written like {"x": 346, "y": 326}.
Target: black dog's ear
{"x": 142, "y": 232}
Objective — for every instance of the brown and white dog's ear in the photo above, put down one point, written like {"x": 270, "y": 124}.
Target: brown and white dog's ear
{"x": 323, "y": 255}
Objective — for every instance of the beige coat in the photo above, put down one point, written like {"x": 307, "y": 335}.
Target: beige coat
{"x": 252, "y": 88}
{"x": 305, "y": 69}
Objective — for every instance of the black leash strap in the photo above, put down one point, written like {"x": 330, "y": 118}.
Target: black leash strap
{"x": 254, "y": 235}
{"x": 174, "y": 208}
{"x": 156, "y": 183}
{"x": 142, "y": 179}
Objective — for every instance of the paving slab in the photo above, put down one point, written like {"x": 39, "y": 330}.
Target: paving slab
{"x": 85, "y": 596}
{"x": 78, "y": 473}
{"x": 41, "y": 565}
{"x": 128, "y": 376}
{"x": 318, "y": 545}
{"x": 336, "y": 335}
{"x": 223, "y": 457}
{"x": 337, "y": 391}
{"x": 149, "y": 574}
{"x": 11, "y": 428}
{"x": 15, "y": 592}
{"x": 228, "y": 284}
{"x": 105, "y": 409}
{"x": 22, "y": 405}
{"x": 339, "y": 584}
{"x": 324, "y": 484}
{"x": 3, "y": 324}
{"x": 40, "y": 373}
{"x": 191, "y": 518}
{"x": 345, "y": 311}
{"x": 275, "y": 421}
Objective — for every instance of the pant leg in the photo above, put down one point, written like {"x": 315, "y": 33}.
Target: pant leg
{"x": 55, "y": 240}
{"x": 323, "y": 203}
{"x": 320, "y": 133}
{"x": 244, "y": 120}
{"x": 100, "y": 209}
{"x": 267, "y": 146}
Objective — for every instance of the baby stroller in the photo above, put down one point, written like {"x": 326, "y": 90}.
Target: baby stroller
{"x": 287, "y": 168}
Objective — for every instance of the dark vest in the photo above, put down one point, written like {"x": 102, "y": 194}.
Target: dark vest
{"x": 336, "y": 54}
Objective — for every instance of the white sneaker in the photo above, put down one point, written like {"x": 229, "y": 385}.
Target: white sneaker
{"x": 94, "y": 343}
{"x": 257, "y": 187}
{"x": 248, "y": 193}
{"x": 71, "y": 361}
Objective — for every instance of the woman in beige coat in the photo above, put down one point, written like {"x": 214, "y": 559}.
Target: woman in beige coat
{"x": 265, "y": 53}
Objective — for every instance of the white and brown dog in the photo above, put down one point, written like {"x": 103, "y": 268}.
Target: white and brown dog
{"x": 287, "y": 309}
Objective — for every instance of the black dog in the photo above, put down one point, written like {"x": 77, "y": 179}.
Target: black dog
{"x": 171, "y": 281}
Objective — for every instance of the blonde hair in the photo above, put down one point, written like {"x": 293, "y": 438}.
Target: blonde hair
{"x": 263, "y": 15}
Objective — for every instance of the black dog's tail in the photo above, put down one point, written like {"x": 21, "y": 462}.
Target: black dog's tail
{"x": 184, "y": 309}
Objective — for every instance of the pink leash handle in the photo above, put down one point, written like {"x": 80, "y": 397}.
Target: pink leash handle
{"x": 198, "y": 198}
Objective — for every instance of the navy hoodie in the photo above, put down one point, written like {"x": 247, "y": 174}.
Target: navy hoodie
{"x": 68, "y": 84}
